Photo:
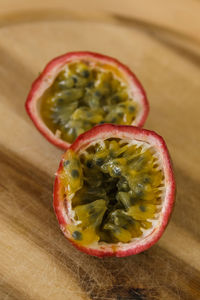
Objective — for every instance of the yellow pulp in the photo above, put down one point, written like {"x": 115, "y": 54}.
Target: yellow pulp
{"x": 82, "y": 96}
{"x": 116, "y": 191}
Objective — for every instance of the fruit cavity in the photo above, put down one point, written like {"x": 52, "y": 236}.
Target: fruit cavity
{"x": 115, "y": 188}
{"x": 86, "y": 93}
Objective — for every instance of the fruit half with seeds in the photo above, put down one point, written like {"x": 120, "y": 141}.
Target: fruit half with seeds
{"x": 114, "y": 190}
{"x": 81, "y": 89}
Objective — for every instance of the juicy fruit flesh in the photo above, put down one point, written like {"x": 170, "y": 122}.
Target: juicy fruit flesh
{"x": 115, "y": 188}
{"x": 82, "y": 96}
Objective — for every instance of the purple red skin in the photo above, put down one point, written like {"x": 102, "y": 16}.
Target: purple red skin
{"x": 61, "y": 61}
{"x": 102, "y": 131}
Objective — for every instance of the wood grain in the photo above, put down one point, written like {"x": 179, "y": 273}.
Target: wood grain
{"x": 36, "y": 262}
{"x": 178, "y": 15}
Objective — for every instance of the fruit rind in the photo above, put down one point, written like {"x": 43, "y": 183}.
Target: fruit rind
{"x": 129, "y": 132}
{"x": 48, "y": 75}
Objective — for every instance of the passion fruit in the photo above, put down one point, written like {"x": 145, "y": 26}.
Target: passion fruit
{"x": 114, "y": 190}
{"x": 79, "y": 90}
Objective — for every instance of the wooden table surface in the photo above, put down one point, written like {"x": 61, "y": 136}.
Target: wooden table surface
{"x": 160, "y": 41}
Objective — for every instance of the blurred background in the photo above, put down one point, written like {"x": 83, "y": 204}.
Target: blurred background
{"x": 160, "y": 42}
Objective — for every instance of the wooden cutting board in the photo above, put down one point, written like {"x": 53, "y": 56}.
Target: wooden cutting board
{"x": 36, "y": 261}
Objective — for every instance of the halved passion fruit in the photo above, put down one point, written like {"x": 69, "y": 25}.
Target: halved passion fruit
{"x": 81, "y": 89}
{"x": 114, "y": 190}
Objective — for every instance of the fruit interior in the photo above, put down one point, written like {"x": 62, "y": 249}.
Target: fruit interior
{"x": 115, "y": 190}
{"x": 85, "y": 94}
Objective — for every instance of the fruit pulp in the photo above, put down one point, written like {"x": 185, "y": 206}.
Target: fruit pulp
{"x": 116, "y": 189}
{"x": 85, "y": 94}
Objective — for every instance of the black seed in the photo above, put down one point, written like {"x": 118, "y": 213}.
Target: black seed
{"x": 97, "y": 94}
{"x": 75, "y": 173}
{"x": 85, "y": 73}
{"x": 116, "y": 98}
{"x": 103, "y": 98}
{"x": 131, "y": 108}
{"x": 120, "y": 114}
{"x": 60, "y": 100}
{"x": 66, "y": 163}
{"x": 139, "y": 190}
{"x": 89, "y": 164}
{"x": 116, "y": 171}
{"x": 77, "y": 235}
{"x": 99, "y": 161}
{"x": 146, "y": 179}
{"x": 113, "y": 120}
{"x": 75, "y": 79}
{"x": 142, "y": 208}
{"x": 90, "y": 84}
